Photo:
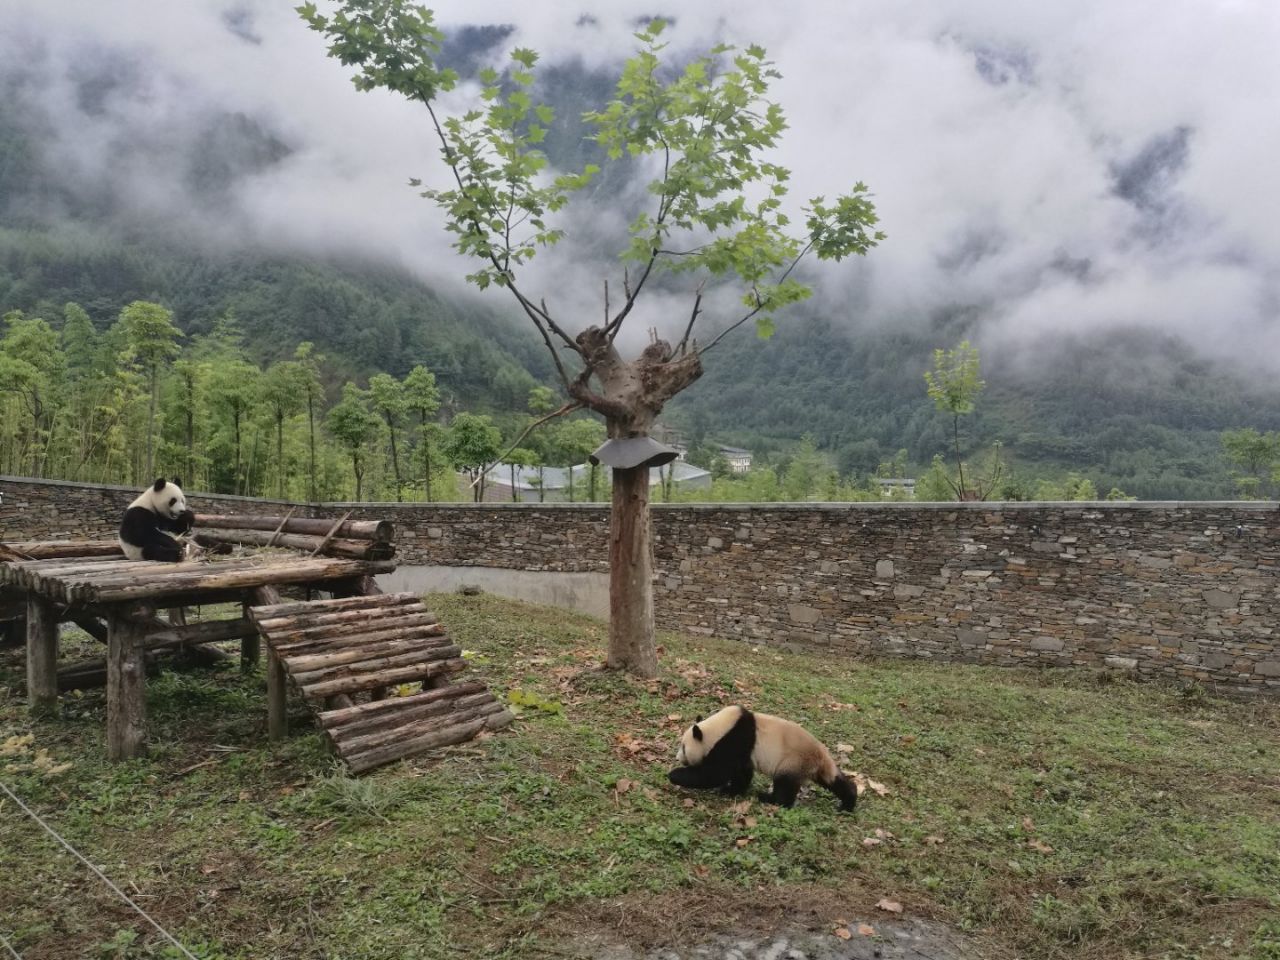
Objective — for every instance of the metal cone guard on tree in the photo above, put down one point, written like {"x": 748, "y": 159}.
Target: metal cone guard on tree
{"x": 704, "y": 129}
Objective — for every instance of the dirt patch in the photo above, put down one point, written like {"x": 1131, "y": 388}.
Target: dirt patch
{"x": 783, "y": 923}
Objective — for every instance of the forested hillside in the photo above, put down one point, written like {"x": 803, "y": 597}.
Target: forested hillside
{"x": 1129, "y": 410}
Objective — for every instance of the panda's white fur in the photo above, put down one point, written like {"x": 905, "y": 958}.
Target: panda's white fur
{"x": 727, "y": 747}
{"x": 158, "y": 512}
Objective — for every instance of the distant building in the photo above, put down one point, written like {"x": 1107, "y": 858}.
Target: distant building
{"x": 672, "y": 438}
{"x": 901, "y": 487}
{"x": 739, "y": 460}
{"x": 553, "y": 482}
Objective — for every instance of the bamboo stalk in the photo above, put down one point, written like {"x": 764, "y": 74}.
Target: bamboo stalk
{"x": 381, "y": 531}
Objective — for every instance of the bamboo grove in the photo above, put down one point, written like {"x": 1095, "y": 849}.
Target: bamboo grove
{"x": 139, "y": 399}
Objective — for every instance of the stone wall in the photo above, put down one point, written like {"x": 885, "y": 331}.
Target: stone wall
{"x": 1177, "y": 590}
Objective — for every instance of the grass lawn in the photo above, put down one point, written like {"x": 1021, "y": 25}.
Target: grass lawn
{"x": 1047, "y": 815}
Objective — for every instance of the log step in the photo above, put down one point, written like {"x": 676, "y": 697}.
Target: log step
{"x": 368, "y": 644}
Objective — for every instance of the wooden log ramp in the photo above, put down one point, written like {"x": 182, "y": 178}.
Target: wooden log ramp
{"x": 367, "y": 644}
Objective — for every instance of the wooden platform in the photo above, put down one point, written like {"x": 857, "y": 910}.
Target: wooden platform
{"x": 370, "y": 644}
{"x": 112, "y": 579}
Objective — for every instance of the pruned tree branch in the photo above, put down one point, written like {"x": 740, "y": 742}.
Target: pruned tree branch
{"x": 567, "y": 408}
{"x": 697, "y": 309}
{"x": 760, "y": 304}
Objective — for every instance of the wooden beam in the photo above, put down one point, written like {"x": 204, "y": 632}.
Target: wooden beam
{"x": 42, "y": 657}
{"x": 381, "y": 531}
{"x": 263, "y": 614}
{"x": 126, "y": 690}
{"x": 41, "y": 549}
{"x": 304, "y": 570}
{"x": 341, "y": 547}
{"x": 277, "y": 686}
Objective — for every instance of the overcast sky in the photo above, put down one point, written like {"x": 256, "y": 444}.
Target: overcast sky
{"x": 1075, "y": 165}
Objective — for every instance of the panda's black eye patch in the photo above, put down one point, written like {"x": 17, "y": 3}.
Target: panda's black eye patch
{"x": 172, "y": 501}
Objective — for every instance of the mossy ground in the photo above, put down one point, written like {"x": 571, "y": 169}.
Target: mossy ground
{"x": 1048, "y": 815}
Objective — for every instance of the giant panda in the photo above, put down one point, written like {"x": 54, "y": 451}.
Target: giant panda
{"x": 159, "y": 511}
{"x": 726, "y": 749}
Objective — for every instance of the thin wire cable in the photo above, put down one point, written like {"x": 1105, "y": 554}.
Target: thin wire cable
{"x": 101, "y": 876}
{"x": 8, "y": 946}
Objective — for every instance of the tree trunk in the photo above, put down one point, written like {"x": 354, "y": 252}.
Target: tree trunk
{"x": 355, "y": 466}
{"x": 395, "y": 457}
{"x": 280, "y": 452}
{"x": 311, "y": 427}
{"x": 236, "y": 479}
{"x": 190, "y": 476}
{"x": 514, "y": 497}
{"x": 151, "y": 426}
{"x": 631, "y": 642}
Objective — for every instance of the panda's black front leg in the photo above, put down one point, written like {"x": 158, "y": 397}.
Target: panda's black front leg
{"x": 739, "y": 782}
{"x": 784, "y": 793}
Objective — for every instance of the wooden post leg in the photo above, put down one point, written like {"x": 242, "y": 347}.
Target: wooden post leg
{"x": 126, "y": 690}
{"x": 277, "y": 697}
{"x": 251, "y": 645}
{"x": 42, "y": 657}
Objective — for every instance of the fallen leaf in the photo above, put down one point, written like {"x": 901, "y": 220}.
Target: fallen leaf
{"x": 208, "y": 868}
{"x": 1039, "y": 846}
{"x": 673, "y": 717}
{"x": 871, "y": 842}
{"x": 908, "y": 738}
{"x": 884, "y": 834}
{"x": 688, "y": 803}
{"x": 843, "y": 933}
{"x": 623, "y": 785}
{"x": 844, "y": 748}
{"x": 743, "y": 841}
{"x": 1028, "y": 825}
{"x": 748, "y": 822}
{"x": 741, "y": 807}
{"x": 933, "y": 840}
{"x": 701, "y": 870}
{"x": 866, "y": 930}
{"x": 16, "y": 745}
{"x": 890, "y": 906}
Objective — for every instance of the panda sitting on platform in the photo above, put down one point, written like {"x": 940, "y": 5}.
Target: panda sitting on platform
{"x": 146, "y": 532}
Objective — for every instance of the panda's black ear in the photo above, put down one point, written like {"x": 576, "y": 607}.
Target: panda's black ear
{"x": 177, "y": 481}
{"x": 697, "y": 732}
{"x": 159, "y": 484}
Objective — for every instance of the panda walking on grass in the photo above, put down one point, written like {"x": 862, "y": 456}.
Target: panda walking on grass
{"x": 726, "y": 749}
{"x": 148, "y": 529}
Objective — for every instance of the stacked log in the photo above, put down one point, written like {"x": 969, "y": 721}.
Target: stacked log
{"x": 369, "y": 643}
{"x": 50, "y": 549}
{"x": 355, "y": 539}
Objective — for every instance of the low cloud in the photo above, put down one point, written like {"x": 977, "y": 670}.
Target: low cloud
{"x": 1050, "y": 168}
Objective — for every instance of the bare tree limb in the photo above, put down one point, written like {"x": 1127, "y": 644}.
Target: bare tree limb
{"x": 697, "y": 308}
{"x": 567, "y": 408}
{"x": 760, "y": 304}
